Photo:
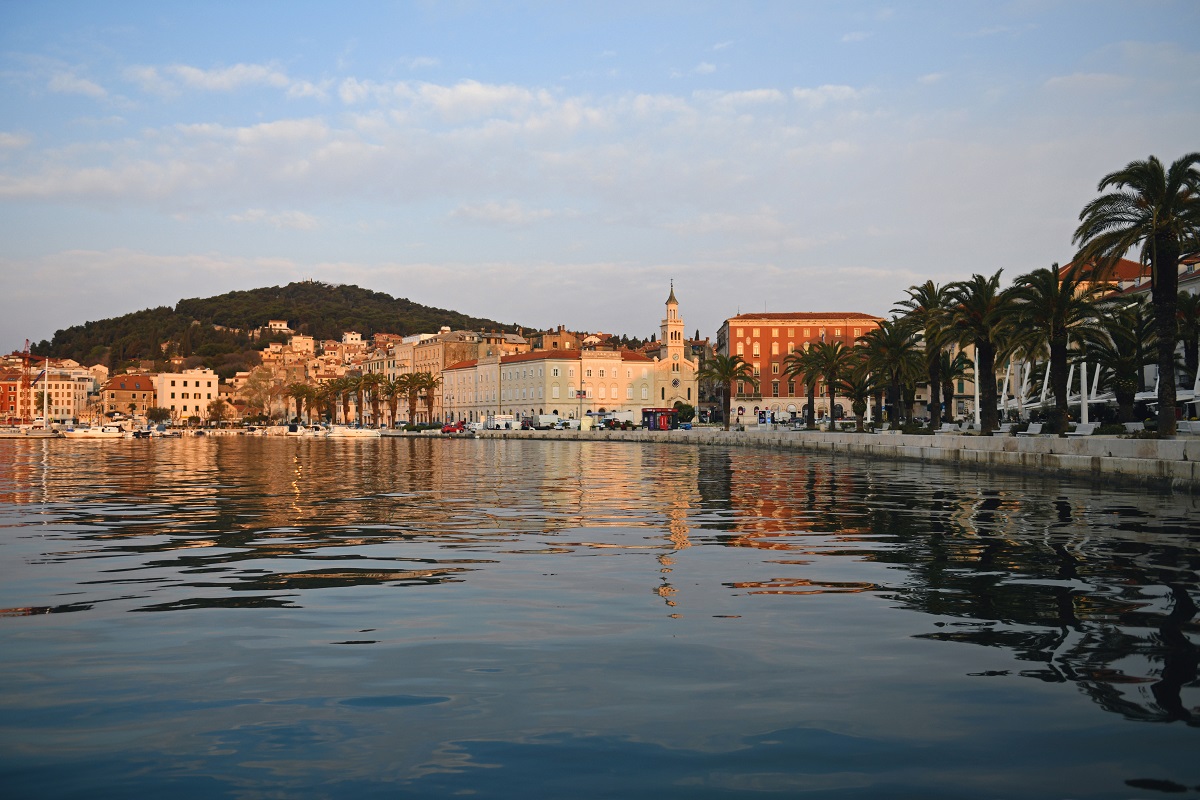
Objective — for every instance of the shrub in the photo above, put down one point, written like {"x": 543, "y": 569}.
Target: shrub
{"x": 1111, "y": 429}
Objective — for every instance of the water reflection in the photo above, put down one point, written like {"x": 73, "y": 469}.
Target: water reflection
{"x": 527, "y": 586}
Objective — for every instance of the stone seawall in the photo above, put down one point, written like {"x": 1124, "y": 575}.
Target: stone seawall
{"x": 1162, "y": 463}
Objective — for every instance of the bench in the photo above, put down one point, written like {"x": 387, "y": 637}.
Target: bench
{"x": 1084, "y": 429}
{"x": 1134, "y": 427}
{"x": 1035, "y": 429}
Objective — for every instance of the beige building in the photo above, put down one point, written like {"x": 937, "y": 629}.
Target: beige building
{"x": 186, "y": 394}
{"x": 571, "y": 382}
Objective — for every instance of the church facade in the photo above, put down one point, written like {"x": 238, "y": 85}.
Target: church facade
{"x": 575, "y": 383}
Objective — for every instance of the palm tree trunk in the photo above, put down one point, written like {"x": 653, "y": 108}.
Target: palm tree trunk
{"x": 812, "y": 406}
{"x": 985, "y": 353}
{"x": 935, "y": 391}
{"x": 1164, "y": 293}
{"x": 727, "y": 400}
{"x": 1058, "y": 383}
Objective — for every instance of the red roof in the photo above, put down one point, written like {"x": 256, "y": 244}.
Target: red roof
{"x": 808, "y": 315}
{"x": 1123, "y": 270}
{"x": 133, "y": 383}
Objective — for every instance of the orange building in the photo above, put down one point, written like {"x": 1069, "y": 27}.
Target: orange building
{"x": 765, "y": 340}
{"x": 128, "y": 394}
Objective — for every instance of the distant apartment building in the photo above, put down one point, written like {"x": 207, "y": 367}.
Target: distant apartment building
{"x": 186, "y": 394}
{"x": 69, "y": 387}
{"x": 128, "y": 395}
{"x": 765, "y": 341}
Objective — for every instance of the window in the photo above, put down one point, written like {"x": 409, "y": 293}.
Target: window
{"x": 775, "y": 388}
{"x": 755, "y": 333}
{"x": 628, "y": 392}
{"x": 774, "y": 348}
{"x": 554, "y": 372}
{"x": 740, "y": 350}
{"x": 775, "y": 332}
{"x": 587, "y": 373}
{"x": 755, "y": 353}
{"x": 645, "y": 393}
{"x": 775, "y": 367}
{"x": 791, "y": 334}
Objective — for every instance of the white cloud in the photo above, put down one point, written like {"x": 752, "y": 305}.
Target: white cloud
{"x": 284, "y": 220}
{"x": 150, "y": 80}
{"x": 228, "y": 78}
{"x": 931, "y": 78}
{"x": 13, "y": 141}
{"x": 722, "y": 45}
{"x": 511, "y": 212}
{"x": 704, "y": 68}
{"x": 817, "y": 98}
{"x": 69, "y": 83}
{"x": 856, "y": 36}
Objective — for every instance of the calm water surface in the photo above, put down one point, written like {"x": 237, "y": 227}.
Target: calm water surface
{"x": 258, "y": 618}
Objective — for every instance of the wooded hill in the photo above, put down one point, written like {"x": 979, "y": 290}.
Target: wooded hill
{"x": 222, "y": 331}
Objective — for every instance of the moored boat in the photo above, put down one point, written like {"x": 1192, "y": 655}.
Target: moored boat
{"x": 345, "y": 432}
{"x": 102, "y": 432}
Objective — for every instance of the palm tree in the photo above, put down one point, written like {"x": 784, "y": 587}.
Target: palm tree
{"x": 411, "y": 391}
{"x": 892, "y": 352}
{"x": 427, "y": 384}
{"x": 371, "y": 384}
{"x": 392, "y": 389}
{"x": 858, "y": 384}
{"x": 832, "y": 360}
{"x": 1049, "y": 305}
{"x": 927, "y": 307}
{"x": 353, "y": 386}
{"x": 1159, "y": 210}
{"x": 1188, "y": 314}
{"x": 297, "y": 392}
{"x": 802, "y": 365}
{"x": 1120, "y": 347}
{"x": 724, "y": 371}
{"x": 327, "y": 399}
{"x": 953, "y": 368}
{"x": 980, "y": 316}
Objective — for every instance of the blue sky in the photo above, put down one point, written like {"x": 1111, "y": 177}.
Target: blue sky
{"x": 547, "y": 163}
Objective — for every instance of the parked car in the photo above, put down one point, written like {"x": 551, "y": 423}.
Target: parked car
{"x": 454, "y": 427}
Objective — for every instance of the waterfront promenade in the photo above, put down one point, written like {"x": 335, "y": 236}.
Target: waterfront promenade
{"x": 1154, "y": 462}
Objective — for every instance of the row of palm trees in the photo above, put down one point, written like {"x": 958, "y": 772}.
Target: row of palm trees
{"x": 1049, "y": 316}
{"x": 373, "y": 389}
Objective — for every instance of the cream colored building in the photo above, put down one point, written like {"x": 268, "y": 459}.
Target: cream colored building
{"x": 570, "y": 383}
{"x": 186, "y": 394}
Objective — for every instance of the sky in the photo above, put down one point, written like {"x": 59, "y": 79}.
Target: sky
{"x": 561, "y": 163}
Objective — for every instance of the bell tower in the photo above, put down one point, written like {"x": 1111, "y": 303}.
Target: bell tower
{"x": 671, "y": 345}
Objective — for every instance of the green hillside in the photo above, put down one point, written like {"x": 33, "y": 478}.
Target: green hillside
{"x": 220, "y": 331}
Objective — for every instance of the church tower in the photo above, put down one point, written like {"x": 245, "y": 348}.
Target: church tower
{"x": 674, "y": 371}
{"x": 671, "y": 345}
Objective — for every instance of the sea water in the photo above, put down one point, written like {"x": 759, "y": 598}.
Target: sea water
{"x": 254, "y": 617}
